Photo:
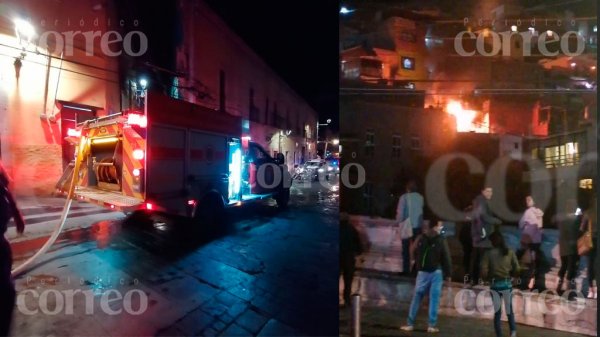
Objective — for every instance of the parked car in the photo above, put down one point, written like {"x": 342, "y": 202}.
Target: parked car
{"x": 318, "y": 169}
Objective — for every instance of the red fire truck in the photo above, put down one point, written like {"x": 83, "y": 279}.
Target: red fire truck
{"x": 174, "y": 157}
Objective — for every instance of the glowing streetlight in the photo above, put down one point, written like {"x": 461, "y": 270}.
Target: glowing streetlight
{"x": 336, "y": 142}
{"x": 24, "y": 30}
{"x": 344, "y": 10}
{"x": 143, "y": 83}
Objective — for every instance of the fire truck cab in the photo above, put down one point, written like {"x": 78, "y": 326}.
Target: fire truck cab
{"x": 175, "y": 157}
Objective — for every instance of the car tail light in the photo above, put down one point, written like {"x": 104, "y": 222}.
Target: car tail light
{"x": 112, "y": 206}
{"x": 191, "y": 202}
{"x": 137, "y": 119}
{"x": 138, "y": 154}
{"x": 149, "y": 206}
{"x": 136, "y": 172}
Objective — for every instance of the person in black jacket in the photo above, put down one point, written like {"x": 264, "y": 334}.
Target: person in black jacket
{"x": 432, "y": 260}
{"x": 483, "y": 224}
{"x": 8, "y": 210}
{"x": 499, "y": 264}
{"x": 568, "y": 223}
{"x": 350, "y": 247}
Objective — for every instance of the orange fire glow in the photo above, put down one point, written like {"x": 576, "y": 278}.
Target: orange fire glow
{"x": 466, "y": 120}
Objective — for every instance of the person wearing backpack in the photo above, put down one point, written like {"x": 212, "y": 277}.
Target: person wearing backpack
{"x": 498, "y": 265}
{"x": 8, "y": 210}
{"x": 432, "y": 260}
{"x": 410, "y": 213}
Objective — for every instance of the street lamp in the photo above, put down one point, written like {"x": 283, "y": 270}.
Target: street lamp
{"x": 317, "y": 136}
{"x": 344, "y": 10}
{"x": 336, "y": 142}
{"x": 282, "y": 133}
{"x": 24, "y": 31}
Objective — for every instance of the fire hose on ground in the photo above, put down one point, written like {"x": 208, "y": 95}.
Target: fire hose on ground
{"x": 81, "y": 155}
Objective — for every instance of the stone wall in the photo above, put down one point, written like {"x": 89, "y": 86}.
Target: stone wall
{"x": 35, "y": 169}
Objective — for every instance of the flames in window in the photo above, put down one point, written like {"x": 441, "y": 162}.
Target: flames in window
{"x": 468, "y": 120}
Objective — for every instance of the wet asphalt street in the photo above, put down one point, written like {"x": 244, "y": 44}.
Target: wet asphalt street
{"x": 267, "y": 272}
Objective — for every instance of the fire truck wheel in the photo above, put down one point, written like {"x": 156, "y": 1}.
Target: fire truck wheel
{"x": 283, "y": 198}
{"x": 210, "y": 210}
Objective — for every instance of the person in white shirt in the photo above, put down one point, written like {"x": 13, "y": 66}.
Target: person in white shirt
{"x": 531, "y": 225}
{"x": 410, "y": 206}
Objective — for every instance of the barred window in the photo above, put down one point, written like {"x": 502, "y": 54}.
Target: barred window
{"x": 369, "y": 144}
{"x": 415, "y": 142}
{"x": 396, "y": 146}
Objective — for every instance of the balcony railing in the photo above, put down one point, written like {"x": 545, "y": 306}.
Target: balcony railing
{"x": 562, "y": 160}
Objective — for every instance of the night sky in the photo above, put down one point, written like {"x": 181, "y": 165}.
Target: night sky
{"x": 298, "y": 39}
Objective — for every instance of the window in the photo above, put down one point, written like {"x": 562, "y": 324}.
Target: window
{"x": 415, "y": 143}
{"x": 586, "y": 184}
{"x": 369, "y": 144}
{"x": 372, "y": 68}
{"x": 408, "y": 63}
{"x": 562, "y": 155}
{"x": 544, "y": 115}
{"x": 368, "y": 191}
{"x": 222, "y": 90}
{"x": 535, "y": 153}
{"x": 396, "y": 146}
{"x": 274, "y": 118}
{"x": 267, "y": 111}
{"x": 253, "y": 110}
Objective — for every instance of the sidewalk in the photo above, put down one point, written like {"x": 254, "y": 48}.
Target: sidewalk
{"x": 390, "y": 292}
{"x": 381, "y": 322}
{"x": 385, "y": 254}
{"x": 380, "y": 286}
{"x": 42, "y": 215}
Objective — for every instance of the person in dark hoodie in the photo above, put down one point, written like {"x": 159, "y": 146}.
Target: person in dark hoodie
{"x": 8, "y": 210}
{"x": 483, "y": 223}
{"x": 568, "y": 223}
{"x": 432, "y": 260}
{"x": 498, "y": 265}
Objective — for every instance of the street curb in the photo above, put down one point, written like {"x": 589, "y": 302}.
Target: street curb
{"x": 388, "y": 291}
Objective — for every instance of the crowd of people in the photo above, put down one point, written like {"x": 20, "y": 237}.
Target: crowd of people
{"x": 487, "y": 260}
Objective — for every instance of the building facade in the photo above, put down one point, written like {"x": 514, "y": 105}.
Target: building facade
{"x": 228, "y": 76}
{"x": 45, "y": 58}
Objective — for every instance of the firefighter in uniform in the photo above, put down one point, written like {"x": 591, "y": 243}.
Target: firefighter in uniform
{"x": 8, "y": 210}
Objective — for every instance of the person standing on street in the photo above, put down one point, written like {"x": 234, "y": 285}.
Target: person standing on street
{"x": 433, "y": 263}
{"x": 588, "y": 223}
{"x": 568, "y": 224}
{"x": 498, "y": 265}
{"x": 531, "y": 225}
{"x": 410, "y": 206}
{"x": 8, "y": 210}
{"x": 483, "y": 223}
{"x": 350, "y": 247}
